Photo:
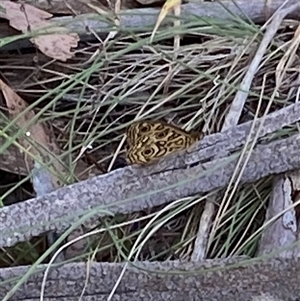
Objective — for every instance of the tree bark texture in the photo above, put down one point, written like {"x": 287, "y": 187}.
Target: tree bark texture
{"x": 211, "y": 280}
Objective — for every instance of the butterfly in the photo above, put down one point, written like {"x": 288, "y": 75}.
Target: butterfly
{"x": 148, "y": 141}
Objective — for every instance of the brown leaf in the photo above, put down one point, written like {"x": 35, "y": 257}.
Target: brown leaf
{"x": 25, "y": 17}
{"x": 57, "y": 46}
{"x": 41, "y": 145}
{"x": 22, "y": 16}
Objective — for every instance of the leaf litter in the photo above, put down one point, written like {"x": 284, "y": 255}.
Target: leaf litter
{"x": 130, "y": 84}
{"x": 56, "y": 42}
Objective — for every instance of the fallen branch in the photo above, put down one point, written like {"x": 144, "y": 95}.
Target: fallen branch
{"x": 218, "y": 280}
{"x": 134, "y": 188}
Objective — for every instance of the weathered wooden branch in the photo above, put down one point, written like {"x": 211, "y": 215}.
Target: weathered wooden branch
{"x": 284, "y": 231}
{"x": 256, "y": 10}
{"x": 136, "y": 188}
{"x": 211, "y": 280}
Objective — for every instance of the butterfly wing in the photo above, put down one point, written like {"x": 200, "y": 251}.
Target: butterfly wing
{"x": 148, "y": 141}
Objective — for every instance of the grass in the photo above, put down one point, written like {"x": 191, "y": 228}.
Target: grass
{"x": 90, "y": 100}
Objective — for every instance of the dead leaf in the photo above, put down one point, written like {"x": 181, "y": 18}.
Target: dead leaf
{"x": 57, "y": 46}
{"x": 40, "y": 145}
{"x": 42, "y": 142}
{"x": 25, "y": 18}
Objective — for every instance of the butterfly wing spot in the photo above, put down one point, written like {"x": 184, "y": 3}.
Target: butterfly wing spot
{"x": 161, "y": 135}
{"x": 144, "y": 128}
{"x": 148, "y": 152}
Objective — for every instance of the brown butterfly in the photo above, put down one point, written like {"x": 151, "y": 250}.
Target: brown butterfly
{"x": 148, "y": 141}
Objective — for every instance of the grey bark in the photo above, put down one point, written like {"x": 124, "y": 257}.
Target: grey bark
{"x": 137, "y": 188}
{"x": 44, "y": 182}
{"x": 212, "y": 280}
{"x": 284, "y": 231}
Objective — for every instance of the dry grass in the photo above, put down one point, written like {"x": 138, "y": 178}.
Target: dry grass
{"x": 90, "y": 100}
